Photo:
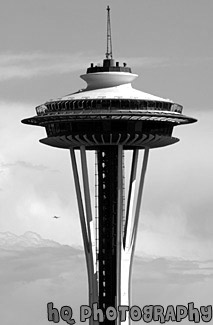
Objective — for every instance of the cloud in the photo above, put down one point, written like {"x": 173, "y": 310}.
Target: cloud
{"x": 34, "y": 276}
{"x": 24, "y": 164}
{"x": 27, "y": 165}
{"x": 35, "y": 64}
{"x": 29, "y": 239}
{"x": 170, "y": 233}
{"x": 23, "y": 259}
{"x": 163, "y": 62}
{"x": 30, "y": 65}
{"x": 31, "y": 264}
{"x": 172, "y": 271}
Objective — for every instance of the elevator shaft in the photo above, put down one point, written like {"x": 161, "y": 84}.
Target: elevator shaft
{"x": 107, "y": 158}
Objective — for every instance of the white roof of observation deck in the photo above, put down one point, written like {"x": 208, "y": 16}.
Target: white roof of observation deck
{"x": 122, "y": 92}
{"x": 111, "y": 85}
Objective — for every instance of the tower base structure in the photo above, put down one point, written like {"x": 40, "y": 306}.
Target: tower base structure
{"x": 109, "y": 237}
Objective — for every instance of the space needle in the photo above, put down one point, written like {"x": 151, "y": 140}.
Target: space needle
{"x": 117, "y": 123}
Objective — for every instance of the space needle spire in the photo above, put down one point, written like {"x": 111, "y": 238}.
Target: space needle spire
{"x": 109, "y": 36}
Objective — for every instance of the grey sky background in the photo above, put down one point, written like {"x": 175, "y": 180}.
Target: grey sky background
{"x": 45, "y": 46}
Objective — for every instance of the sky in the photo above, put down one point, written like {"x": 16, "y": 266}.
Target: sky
{"x": 45, "y": 47}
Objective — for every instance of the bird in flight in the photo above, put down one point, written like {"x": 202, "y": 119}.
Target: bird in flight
{"x": 55, "y": 217}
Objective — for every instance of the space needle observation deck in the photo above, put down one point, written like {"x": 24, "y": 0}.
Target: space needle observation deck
{"x": 109, "y": 112}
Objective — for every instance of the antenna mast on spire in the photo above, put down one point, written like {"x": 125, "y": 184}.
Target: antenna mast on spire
{"x": 109, "y": 36}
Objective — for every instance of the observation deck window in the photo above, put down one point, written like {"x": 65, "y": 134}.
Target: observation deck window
{"x": 54, "y": 106}
{"x": 132, "y": 104}
{"x": 70, "y": 105}
{"x": 41, "y": 109}
{"x": 165, "y": 106}
{"x": 98, "y": 104}
{"x": 106, "y": 104}
{"x": 66, "y": 105}
{"x": 140, "y": 104}
{"x": 62, "y": 105}
{"x": 151, "y": 105}
{"x": 75, "y": 104}
{"x": 115, "y": 104}
{"x": 93, "y": 104}
{"x": 124, "y": 104}
{"x": 145, "y": 105}
{"x": 81, "y": 104}
{"x": 88, "y": 104}
{"x": 176, "y": 108}
{"x": 136, "y": 104}
{"x": 159, "y": 105}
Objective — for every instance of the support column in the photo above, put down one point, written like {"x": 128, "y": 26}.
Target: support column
{"x": 130, "y": 230}
{"x": 86, "y": 227}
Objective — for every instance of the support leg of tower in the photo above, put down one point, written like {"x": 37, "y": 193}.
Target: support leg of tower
{"x": 86, "y": 227}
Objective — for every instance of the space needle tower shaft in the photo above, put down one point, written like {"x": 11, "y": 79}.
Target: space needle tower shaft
{"x": 118, "y": 125}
